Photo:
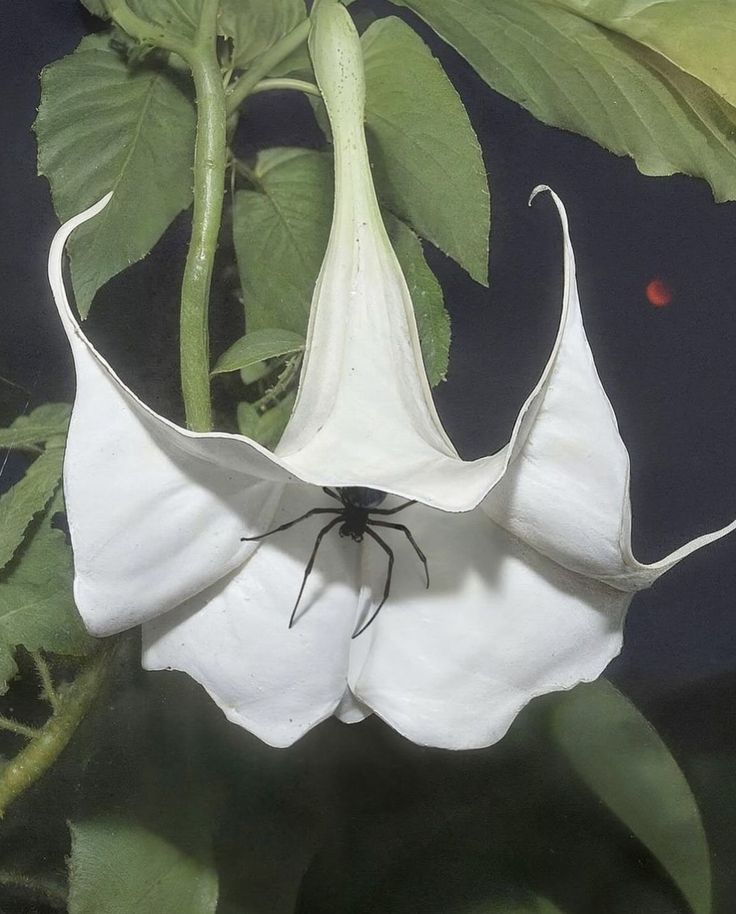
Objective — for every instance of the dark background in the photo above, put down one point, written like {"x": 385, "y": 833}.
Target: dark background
{"x": 670, "y": 372}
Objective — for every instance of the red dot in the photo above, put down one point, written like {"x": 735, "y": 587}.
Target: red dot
{"x": 658, "y": 293}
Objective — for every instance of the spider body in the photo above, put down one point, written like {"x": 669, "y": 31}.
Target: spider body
{"x": 358, "y": 515}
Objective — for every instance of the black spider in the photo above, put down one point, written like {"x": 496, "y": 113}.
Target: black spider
{"x": 356, "y": 516}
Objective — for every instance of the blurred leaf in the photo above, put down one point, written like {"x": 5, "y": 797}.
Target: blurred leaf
{"x": 103, "y": 126}
{"x": 533, "y": 905}
{"x": 29, "y": 496}
{"x": 36, "y": 604}
{"x": 257, "y": 25}
{"x": 571, "y": 73}
{"x": 256, "y": 346}
{"x": 265, "y": 428}
{"x": 433, "y": 321}
{"x": 44, "y": 423}
{"x": 175, "y": 17}
{"x": 118, "y": 866}
{"x": 616, "y": 751}
{"x": 426, "y": 157}
{"x": 287, "y": 223}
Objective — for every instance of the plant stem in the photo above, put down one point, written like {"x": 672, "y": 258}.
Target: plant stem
{"x": 48, "y": 742}
{"x": 44, "y": 674}
{"x": 299, "y": 85}
{"x": 266, "y": 62}
{"x": 14, "y": 726}
{"x": 209, "y": 181}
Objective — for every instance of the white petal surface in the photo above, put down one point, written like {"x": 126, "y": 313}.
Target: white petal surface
{"x": 155, "y": 513}
{"x": 234, "y": 638}
{"x": 566, "y": 491}
{"x": 364, "y": 406}
{"x": 453, "y": 665}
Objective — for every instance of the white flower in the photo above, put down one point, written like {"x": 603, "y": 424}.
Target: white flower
{"x": 528, "y": 549}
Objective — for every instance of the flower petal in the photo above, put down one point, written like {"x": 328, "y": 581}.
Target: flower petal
{"x": 234, "y": 638}
{"x": 155, "y": 513}
{"x": 453, "y": 665}
{"x": 566, "y": 491}
{"x": 364, "y": 407}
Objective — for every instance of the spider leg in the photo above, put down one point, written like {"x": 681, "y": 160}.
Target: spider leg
{"x": 392, "y": 510}
{"x": 245, "y": 539}
{"x": 310, "y": 564}
{"x": 332, "y": 493}
{"x": 408, "y": 534}
{"x": 390, "y": 553}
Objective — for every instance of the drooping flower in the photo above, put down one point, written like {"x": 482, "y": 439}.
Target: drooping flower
{"x": 528, "y": 549}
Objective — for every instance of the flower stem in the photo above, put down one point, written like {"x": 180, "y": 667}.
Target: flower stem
{"x": 47, "y": 743}
{"x": 44, "y": 674}
{"x": 240, "y": 90}
{"x": 299, "y": 85}
{"x": 209, "y": 182}
{"x": 209, "y": 179}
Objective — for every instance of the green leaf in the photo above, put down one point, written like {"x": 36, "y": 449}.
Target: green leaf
{"x": 695, "y": 35}
{"x": 28, "y": 497}
{"x": 616, "y": 751}
{"x": 41, "y": 425}
{"x": 257, "y": 25}
{"x": 433, "y": 321}
{"x": 178, "y": 18}
{"x": 427, "y": 160}
{"x": 37, "y": 608}
{"x": 571, "y": 73}
{"x": 103, "y": 126}
{"x": 280, "y": 234}
{"x": 265, "y": 428}
{"x": 97, "y": 8}
{"x": 118, "y": 866}
{"x": 256, "y": 346}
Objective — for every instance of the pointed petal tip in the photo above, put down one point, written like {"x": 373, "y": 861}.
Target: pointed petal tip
{"x": 539, "y": 189}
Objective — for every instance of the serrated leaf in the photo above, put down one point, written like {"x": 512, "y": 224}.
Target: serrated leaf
{"x": 103, "y": 126}
{"x": 574, "y": 74}
{"x": 41, "y": 425}
{"x": 256, "y": 347}
{"x": 29, "y": 496}
{"x": 617, "y": 752}
{"x": 255, "y": 26}
{"x": 37, "y": 607}
{"x": 426, "y": 157}
{"x": 118, "y": 866}
{"x": 287, "y": 222}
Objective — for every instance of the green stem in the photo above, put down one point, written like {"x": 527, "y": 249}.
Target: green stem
{"x": 15, "y": 726}
{"x": 209, "y": 187}
{"x": 47, "y": 743}
{"x": 240, "y": 90}
{"x": 209, "y": 184}
{"x": 300, "y": 85}
{"x": 44, "y": 675}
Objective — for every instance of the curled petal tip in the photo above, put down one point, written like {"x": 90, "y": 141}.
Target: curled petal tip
{"x": 539, "y": 189}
